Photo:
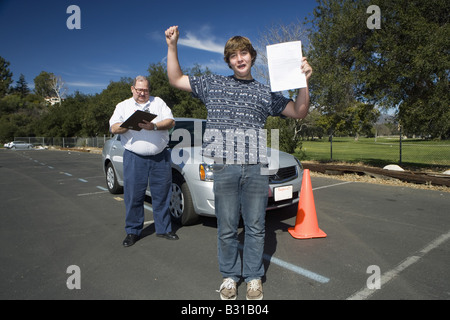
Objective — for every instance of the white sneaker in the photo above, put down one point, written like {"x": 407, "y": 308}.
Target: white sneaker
{"x": 254, "y": 290}
{"x": 228, "y": 289}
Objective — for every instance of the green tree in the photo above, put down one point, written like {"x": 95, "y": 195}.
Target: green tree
{"x": 287, "y": 141}
{"x": 10, "y": 104}
{"x": 22, "y": 86}
{"x": 7, "y": 128}
{"x": 290, "y": 130}
{"x": 18, "y": 115}
{"x": 43, "y": 84}
{"x": 5, "y": 77}
{"x": 99, "y": 108}
{"x": 309, "y": 128}
{"x": 404, "y": 65}
{"x": 415, "y": 48}
{"x": 182, "y": 103}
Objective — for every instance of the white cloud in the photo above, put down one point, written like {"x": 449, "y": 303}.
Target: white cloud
{"x": 201, "y": 39}
{"x": 206, "y": 41}
{"x": 110, "y": 70}
{"x": 216, "y": 66}
{"x": 192, "y": 41}
{"x": 87, "y": 84}
{"x": 156, "y": 35}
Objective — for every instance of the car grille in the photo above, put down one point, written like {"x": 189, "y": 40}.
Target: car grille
{"x": 283, "y": 175}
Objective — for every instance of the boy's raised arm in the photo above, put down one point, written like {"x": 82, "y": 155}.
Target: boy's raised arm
{"x": 176, "y": 77}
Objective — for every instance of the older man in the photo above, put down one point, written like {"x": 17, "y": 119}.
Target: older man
{"x": 145, "y": 160}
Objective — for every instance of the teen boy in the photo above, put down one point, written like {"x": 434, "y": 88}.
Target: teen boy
{"x": 237, "y": 104}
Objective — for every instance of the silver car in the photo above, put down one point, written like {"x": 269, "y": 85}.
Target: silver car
{"x": 18, "y": 145}
{"x": 192, "y": 180}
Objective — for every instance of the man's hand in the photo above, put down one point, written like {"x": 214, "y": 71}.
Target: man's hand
{"x": 306, "y": 69}
{"x": 299, "y": 109}
{"x": 172, "y": 35}
{"x": 147, "y": 125}
{"x": 165, "y": 124}
{"x": 117, "y": 129}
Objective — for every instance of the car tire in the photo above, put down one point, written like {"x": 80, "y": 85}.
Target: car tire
{"x": 111, "y": 180}
{"x": 181, "y": 205}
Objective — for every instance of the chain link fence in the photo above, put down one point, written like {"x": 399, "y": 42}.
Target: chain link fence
{"x": 379, "y": 151}
{"x": 431, "y": 154}
{"x": 436, "y": 153}
{"x": 66, "y": 142}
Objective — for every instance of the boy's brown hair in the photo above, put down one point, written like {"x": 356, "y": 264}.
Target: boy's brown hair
{"x": 237, "y": 43}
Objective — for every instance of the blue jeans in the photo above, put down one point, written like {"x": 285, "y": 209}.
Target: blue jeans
{"x": 138, "y": 172}
{"x": 240, "y": 189}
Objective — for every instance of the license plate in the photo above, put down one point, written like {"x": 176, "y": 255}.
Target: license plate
{"x": 282, "y": 193}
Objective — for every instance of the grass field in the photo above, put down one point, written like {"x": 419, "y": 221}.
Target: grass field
{"x": 414, "y": 153}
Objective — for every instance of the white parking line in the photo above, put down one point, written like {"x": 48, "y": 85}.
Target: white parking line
{"x": 292, "y": 267}
{"x": 365, "y": 293}
{"x": 91, "y": 193}
{"x": 301, "y": 271}
{"x": 149, "y": 208}
{"x": 333, "y": 185}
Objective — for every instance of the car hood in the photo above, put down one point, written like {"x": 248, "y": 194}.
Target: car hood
{"x": 277, "y": 159}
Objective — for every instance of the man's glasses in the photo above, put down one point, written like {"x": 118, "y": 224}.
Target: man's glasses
{"x": 145, "y": 91}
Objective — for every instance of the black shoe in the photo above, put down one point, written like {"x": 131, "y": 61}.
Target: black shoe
{"x": 168, "y": 236}
{"x": 130, "y": 240}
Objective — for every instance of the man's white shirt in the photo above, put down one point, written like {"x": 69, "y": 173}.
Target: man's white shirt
{"x": 143, "y": 142}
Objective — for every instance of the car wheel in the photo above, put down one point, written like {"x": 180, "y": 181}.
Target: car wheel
{"x": 111, "y": 180}
{"x": 181, "y": 205}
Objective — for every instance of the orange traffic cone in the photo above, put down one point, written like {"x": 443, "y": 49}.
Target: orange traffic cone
{"x": 306, "y": 226}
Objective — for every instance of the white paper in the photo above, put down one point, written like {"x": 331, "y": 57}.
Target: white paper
{"x": 284, "y": 62}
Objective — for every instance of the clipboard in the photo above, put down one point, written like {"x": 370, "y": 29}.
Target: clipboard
{"x": 136, "y": 118}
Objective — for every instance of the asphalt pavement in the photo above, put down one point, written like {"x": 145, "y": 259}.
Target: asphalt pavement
{"x": 61, "y": 238}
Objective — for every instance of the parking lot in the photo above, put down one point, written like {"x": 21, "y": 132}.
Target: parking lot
{"x": 383, "y": 242}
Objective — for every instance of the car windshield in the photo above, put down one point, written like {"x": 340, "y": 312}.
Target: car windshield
{"x": 189, "y": 126}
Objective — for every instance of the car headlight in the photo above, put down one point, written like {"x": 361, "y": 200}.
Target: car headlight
{"x": 299, "y": 163}
{"x": 206, "y": 172}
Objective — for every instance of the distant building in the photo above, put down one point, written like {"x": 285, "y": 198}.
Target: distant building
{"x": 53, "y": 100}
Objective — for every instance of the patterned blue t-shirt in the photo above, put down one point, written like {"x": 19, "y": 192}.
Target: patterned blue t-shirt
{"x": 237, "y": 112}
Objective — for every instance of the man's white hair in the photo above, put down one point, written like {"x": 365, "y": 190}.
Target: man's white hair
{"x": 140, "y": 79}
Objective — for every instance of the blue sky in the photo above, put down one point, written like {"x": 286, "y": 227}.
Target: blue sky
{"x": 122, "y": 38}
